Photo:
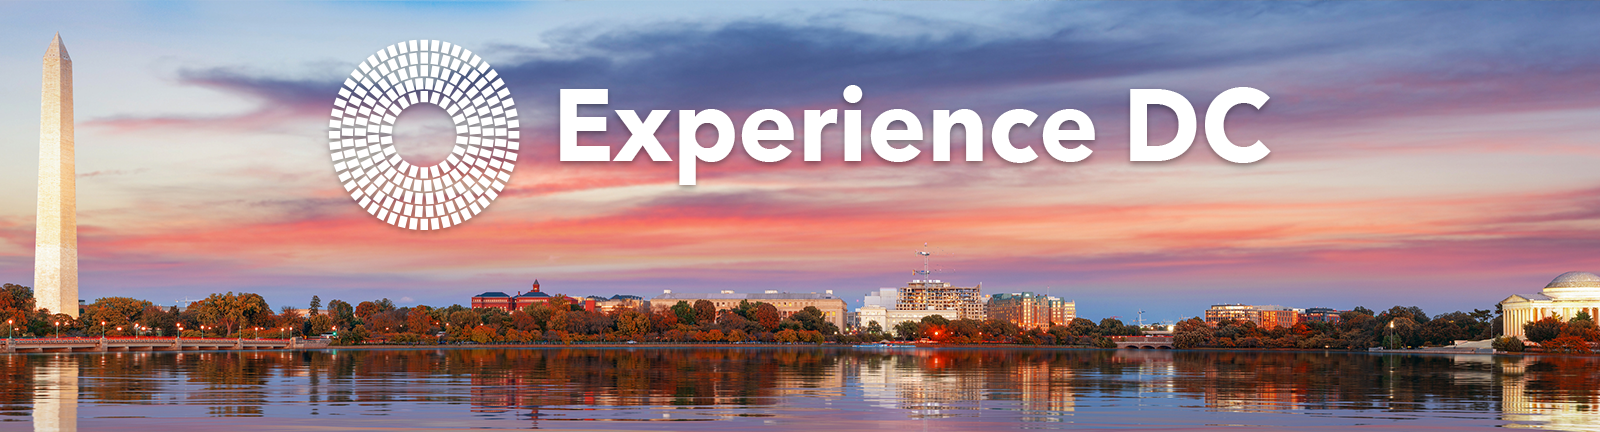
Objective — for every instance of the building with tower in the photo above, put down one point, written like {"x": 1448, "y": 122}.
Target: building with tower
{"x": 497, "y": 299}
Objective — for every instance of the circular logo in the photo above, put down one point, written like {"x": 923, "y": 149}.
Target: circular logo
{"x": 360, "y": 135}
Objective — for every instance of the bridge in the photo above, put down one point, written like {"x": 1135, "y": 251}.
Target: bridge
{"x": 1143, "y": 342}
{"x": 149, "y": 343}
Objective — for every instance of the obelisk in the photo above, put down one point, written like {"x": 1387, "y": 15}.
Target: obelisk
{"x": 55, "y": 265}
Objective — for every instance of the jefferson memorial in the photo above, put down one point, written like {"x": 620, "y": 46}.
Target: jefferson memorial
{"x": 1564, "y": 297}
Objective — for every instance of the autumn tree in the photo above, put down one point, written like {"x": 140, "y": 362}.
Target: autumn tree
{"x": 767, "y": 315}
{"x": 705, "y": 312}
{"x": 564, "y": 303}
{"x": 159, "y": 320}
{"x": 586, "y": 322}
{"x": 105, "y": 315}
{"x": 420, "y": 320}
{"x": 1544, "y": 329}
{"x": 496, "y": 318}
{"x": 1566, "y": 344}
{"x": 16, "y": 303}
{"x": 232, "y": 312}
{"x": 463, "y": 321}
{"x": 631, "y": 323}
{"x": 289, "y": 318}
{"x": 664, "y": 320}
{"x": 366, "y": 309}
{"x": 540, "y": 313}
{"x": 1582, "y": 327}
{"x": 319, "y": 325}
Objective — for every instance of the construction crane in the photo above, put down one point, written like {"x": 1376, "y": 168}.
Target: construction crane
{"x": 927, "y": 271}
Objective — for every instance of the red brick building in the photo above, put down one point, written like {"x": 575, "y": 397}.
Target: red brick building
{"x": 496, "y": 299}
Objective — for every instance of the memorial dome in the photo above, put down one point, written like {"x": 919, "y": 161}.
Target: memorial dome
{"x": 1574, "y": 285}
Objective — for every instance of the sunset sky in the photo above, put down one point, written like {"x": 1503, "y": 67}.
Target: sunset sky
{"x": 1434, "y": 154}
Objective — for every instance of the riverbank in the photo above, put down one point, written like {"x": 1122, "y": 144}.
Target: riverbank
{"x": 682, "y": 345}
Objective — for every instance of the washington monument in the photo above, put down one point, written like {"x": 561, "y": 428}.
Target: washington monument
{"x": 55, "y": 265}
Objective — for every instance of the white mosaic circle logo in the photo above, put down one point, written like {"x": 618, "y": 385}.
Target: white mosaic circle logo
{"x": 360, "y": 135}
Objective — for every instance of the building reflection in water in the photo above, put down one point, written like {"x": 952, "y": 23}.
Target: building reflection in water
{"x": 928, "y": 384}
{"x": 55, "y": 399}
{"x": 1555, "y": 393}
{"x": 536, "y": 387}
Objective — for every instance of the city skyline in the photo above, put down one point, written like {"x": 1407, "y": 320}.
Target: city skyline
{"x": 1415, "y": 162}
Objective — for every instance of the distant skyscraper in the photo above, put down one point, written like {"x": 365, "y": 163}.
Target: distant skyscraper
{"x": 55, "y": 268}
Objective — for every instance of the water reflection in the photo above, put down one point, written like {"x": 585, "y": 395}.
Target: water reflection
{"x": 55, "y": 384}
{"x": 794, "y": 389}
{"x": 1540, "y": 393}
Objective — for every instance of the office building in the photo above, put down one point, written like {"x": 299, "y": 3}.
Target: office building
{"x": 1030, "y": 310}
{"x": 929, "y": 295}
{"x": 1266, "y": 316}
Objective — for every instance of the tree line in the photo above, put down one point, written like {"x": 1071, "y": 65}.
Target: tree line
{"x": 561, "y": 319}
{"x": 1358, "y": 329}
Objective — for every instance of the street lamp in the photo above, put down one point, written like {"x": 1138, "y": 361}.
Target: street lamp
{"x": 102, "y": 329}
{"x": 9, "y": 329}
{"x": 258, "y": 332}
{"x": 180, "y": 331}
{"x": 58, "y": 329}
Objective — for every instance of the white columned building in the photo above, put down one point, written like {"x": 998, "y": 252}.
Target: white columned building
{"x": 1564, "y": 297}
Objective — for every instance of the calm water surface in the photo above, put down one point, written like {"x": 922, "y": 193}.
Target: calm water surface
{"x": 795, "y": 389}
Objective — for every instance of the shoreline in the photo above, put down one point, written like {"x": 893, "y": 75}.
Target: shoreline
{"x": 920, "y": 346}
{"x": 682, "y": 345}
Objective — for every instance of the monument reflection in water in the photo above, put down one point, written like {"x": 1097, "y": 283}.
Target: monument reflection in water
{"x": 793, "y": 389}
{"x": 55, "y": 389}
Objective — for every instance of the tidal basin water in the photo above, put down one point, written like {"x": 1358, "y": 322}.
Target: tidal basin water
{"x": 794, "y": 389}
